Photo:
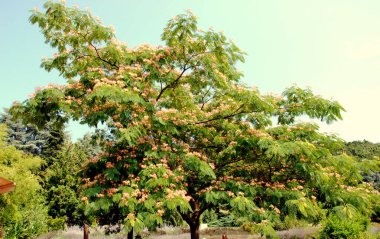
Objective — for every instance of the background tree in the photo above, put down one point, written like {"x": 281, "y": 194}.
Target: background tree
{"x": 45, "y": 142}
{"x": 63, "y": 181}
{"x": 23, "y": 213}
{"x": 363, "y": 149}
{"x": 184, "y": 134}
{"x": 63, "y": 190}
{"x": 369, "y": 154}
{"x": 57, "y": 172}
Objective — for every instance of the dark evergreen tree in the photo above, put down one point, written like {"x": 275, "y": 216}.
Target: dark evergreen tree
{"x": 91, "y": 144}
{"x": 23, "y": 137}
{"x": 63, "y": 184}
{"x": 45, "y": 142}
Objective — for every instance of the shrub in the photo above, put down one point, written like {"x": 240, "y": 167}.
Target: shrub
{"x": 265, "y": 229}
{"x": 23, "y": 213}
{"x": 341, "y": 227}
{"x": 56, "y": 224}
{"x": 290, "y": 222}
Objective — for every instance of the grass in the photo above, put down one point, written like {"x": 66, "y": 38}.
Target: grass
{"x": 169, "y": 232}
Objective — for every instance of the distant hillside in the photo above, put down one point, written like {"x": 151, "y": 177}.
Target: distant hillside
{"x": 366, "y": 150}
{"x": 363, "y": 149}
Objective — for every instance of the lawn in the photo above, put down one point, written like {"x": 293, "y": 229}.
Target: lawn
{"x": 181, "y": 233}
{"x": 178, "y": 233}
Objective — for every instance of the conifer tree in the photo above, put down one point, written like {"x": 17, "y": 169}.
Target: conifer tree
{"x": 44, "y": 142}
{"x": 63, "y": 184}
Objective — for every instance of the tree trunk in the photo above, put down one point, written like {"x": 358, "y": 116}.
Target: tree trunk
{"x": 85, "y": 231}
{"x": 130, "y": 234}
{"x": 194, "y": 229}
{"x": 193, "y": 218}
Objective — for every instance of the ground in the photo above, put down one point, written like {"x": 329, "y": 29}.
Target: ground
{"x": 178, "y": 233}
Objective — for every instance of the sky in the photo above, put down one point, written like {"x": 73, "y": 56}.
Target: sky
{"x": 332, "y": 47}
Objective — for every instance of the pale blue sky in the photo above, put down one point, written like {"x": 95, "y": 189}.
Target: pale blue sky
{"x": 331, "y": 46}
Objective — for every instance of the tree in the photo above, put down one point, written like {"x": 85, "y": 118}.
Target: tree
{"x": 363, "y": 149}
{"x": 44, "y": 142}
{"x": 48, "y": 143}
{"x": 23, "y": 213}
{"x": 184, "y": 134}
{"x": 63, "y": 183}
{"x": 368, "y": 153}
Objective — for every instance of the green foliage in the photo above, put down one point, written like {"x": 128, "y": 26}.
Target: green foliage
{"x": 44, "y": 142}
{"x": 56, "y": 224}
{"x": 22, "y": 212}
{"x": 222, "y": 218}
{"x": 363, "y": 149}
{"x": 224, "y": 221}
{"x": 63, "y": 183}
{"x": 64, "y": 203}
{"x": 183, "y": 134}
{"x": 299, "y": 102}
{"x": 264, "y": 229}
{"x": 303, "y": 208}
{"x": 343, "y": 227}
{"x": 290, "y": 222}
{"x": 368, "y": 153}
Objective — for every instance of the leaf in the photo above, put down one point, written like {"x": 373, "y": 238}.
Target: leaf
{"x": 131, "y": 134}
{"x": 112, "y": 174}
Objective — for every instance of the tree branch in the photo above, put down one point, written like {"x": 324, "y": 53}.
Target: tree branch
{"x": 173, "y": 83}
{"x": 225, "y": 164}
{"x": 97, "y": 51}
{"x": 203, "y": 98}
{"x": 102, "y": 59}
{"x": 184, "y": 69}
{"x": 224, "y": 117}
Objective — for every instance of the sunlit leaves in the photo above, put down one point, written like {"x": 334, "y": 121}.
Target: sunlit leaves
{"x": 24, "y": 206}
{"x": 242, "y": 204}
{"x": 182, "y": 130}
{"x": 298, "y": 102}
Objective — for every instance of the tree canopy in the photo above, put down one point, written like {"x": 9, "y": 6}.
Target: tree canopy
{"x": 184, "y": 133}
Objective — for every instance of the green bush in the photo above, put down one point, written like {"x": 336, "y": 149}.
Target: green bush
{"x": 222, "y": 218}
{"x": 342, "y": 228}
{"x": 56, "y": 224}
{"x": 23, "y": 213}
{"x": 264, "y": 229}
{"x": 290, "y": 222}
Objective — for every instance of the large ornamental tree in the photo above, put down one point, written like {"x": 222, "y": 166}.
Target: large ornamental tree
{"x": 183, "y": 133}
